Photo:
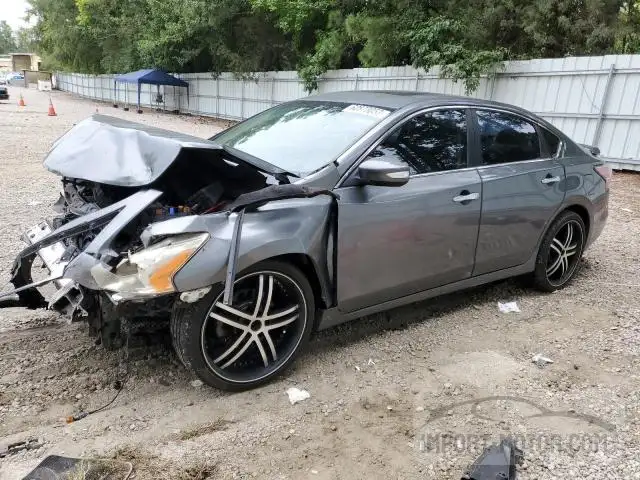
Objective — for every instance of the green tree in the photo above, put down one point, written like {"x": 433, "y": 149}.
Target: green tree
{"x": 628, "y": 34}
{"x": 7, "y": 42}
{"x": 571, "y": 27}
{"x": 64, "y": 44}
{"x": 380, "y": 33}
{"x": 466, "y": 38}
{"x": 26, "y": 40}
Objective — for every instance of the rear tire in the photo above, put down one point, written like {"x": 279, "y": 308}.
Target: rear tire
{"x": 559, "y": 256}
{"x": 255, "y": 338}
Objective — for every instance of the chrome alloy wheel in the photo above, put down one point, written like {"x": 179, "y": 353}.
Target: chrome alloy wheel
{"x": 564, "y": 253}
{"x": 259, "y": 331}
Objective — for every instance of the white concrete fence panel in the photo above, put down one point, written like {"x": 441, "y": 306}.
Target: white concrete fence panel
{"x": 594, "y": 100}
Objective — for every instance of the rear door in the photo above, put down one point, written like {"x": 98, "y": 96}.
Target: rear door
{"x": 395, "y": 241}
{"x": 522, "y": 188}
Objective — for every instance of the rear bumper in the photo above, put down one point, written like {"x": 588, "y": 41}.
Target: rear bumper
{"x": 599, "y": 218}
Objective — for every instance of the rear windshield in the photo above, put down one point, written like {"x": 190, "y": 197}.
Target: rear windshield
{"x": 303, "y": 136}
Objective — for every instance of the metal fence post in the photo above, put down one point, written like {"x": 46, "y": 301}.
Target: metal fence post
{"x": 603, "y": 106}
{"x": 242, "y": 101}
{"x": 273, "y": 91}
{"x": 493, "y": 84}
{"x": 218, "y": 95}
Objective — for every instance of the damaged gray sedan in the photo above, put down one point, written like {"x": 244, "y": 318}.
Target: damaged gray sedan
{"x": 309, "y": 214}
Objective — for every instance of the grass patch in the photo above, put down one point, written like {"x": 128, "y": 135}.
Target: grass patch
{"x": 195, "y": 431}
{"x": 151, "y": 467}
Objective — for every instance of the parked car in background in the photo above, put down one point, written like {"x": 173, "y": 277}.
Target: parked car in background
{"x": 309, "y": 214}
{"x": 14, "y": 78}
{"x": 3, "y": 79}
{"x": 4, "y": 93}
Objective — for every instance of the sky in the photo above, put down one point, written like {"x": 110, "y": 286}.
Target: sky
{"x": 12, "y": 11}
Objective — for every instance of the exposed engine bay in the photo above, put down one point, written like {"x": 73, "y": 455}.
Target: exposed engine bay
{"x": 118, "y": 178}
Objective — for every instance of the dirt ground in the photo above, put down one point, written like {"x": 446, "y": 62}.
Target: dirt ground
{"x": 409, "y": 394}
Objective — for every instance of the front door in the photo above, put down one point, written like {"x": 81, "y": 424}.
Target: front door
{"x": 522, "y": 188}
{"x": 395, "y": 241}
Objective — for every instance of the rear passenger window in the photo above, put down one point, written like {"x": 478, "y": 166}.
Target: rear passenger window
{"x": 553, "y": 143}
{"x": 506, "y": 138}
{"x": 430, "y": 142}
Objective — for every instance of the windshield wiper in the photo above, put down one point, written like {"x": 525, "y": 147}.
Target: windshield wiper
{"x": 260, "y": 164}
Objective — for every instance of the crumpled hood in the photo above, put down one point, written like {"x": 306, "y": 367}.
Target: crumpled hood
{"x": 113, "y": 151}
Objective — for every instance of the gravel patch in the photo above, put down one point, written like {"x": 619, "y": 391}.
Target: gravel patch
{"x": 411, "y": 393}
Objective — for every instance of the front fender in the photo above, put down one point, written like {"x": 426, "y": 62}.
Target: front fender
{"x": 295, "y": 226}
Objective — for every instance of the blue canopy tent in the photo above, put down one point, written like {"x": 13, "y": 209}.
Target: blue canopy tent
{"x": 150, "y": 77}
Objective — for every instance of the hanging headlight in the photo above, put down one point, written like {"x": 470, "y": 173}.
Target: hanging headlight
{"x": 150, "y": 271}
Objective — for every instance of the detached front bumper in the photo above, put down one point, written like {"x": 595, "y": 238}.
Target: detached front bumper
{"x": 70, "y": 269}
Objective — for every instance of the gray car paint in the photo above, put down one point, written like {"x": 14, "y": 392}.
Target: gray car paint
{"x": 357, "y": 291}
{"x": 304, "y": 228}
{"x": 284, "y": 227}
{"x": 398, "y": 241}
{"x": 113, "y": 151}
{"x": 515, "y": 210}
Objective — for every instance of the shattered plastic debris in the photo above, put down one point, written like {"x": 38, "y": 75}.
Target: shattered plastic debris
{"x": 194, "y": 295}
{"x": 508, "y": 307}
{"x": 496, "y": 462}
{"x": 540, "y": 360}
{"x": 34, "y": 203}
{"x": 30, "y": 444}
{"x": 196, "y": 383}
{"x": 297, "y": 395}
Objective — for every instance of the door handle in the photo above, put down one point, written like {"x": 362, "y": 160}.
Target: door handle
{"x": 465, "y": 196}
{"x": 549, "y": 180}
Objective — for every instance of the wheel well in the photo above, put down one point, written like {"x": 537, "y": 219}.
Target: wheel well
{"x": 304, "y": 263}
{"x": 584, "y": 214}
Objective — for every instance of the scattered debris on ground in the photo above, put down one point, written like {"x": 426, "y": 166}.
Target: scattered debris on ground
{"x": 497, "y": 462}
{"x": 56, "y": 467}
{"x": 14, "y": 448}
{"x": 540, "y": 360}
{"x": 508, "y": 307}
{"x": 297, "y": 395}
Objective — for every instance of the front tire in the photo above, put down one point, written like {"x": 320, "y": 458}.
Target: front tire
{"x": 254, "y": 339}
{"x": 560, "y": 252}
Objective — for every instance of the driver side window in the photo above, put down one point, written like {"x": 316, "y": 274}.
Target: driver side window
{"x": 430, "y": 142}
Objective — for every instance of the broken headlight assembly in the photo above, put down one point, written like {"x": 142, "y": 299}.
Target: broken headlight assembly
{"x": 150, "y": 271}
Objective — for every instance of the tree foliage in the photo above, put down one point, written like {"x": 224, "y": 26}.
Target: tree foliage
{"x": 25, "y": 39}
{"x": 466, "y": 38}
{"x": 7, "y": 42}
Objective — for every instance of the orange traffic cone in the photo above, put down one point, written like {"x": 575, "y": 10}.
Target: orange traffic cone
{"x": 21, "y": 102}
{"x": 52, "y": 111}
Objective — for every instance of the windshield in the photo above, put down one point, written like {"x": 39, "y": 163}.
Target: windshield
{"x": 304, "y": 136}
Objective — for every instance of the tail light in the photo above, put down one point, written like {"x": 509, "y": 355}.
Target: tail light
{"x": 605, "y": 172}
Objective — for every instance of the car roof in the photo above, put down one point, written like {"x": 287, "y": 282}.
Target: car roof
{"x": 394, "y": 100}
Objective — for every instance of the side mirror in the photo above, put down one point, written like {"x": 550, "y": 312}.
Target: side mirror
{"x": 383, "y": 172}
